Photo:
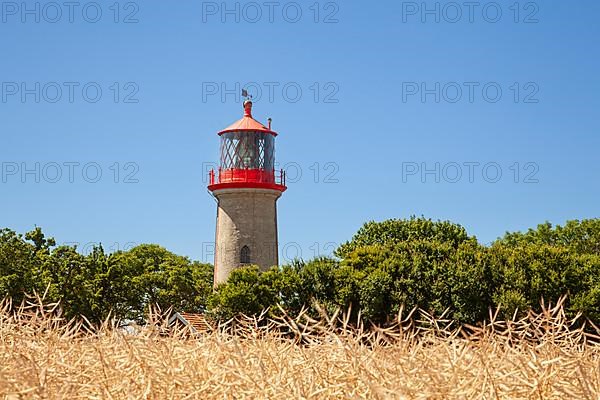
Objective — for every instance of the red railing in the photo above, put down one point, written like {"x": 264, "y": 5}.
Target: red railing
{"x": 247, "y": 176}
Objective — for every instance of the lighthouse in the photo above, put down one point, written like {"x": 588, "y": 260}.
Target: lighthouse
{"x": 246, "y": 188}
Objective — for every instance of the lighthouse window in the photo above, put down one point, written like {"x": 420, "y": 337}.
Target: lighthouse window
{"x": 248, "y": 150}
{"x": 245, "y": 255}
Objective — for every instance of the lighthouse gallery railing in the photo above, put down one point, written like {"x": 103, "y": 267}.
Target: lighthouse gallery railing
{"x": 247, "y": 175}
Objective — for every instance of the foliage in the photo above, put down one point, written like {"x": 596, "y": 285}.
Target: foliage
{"x": 17, "y": 265}
{"x": 437, "y": 267}
{"x": 395, "y": 231}
{"x": 248, "y": 291}
{"x": 151, "y": 275}
{"x": 385, "y": 267}
{"x": 581, "y": 237}
{"x": 98, "y": 284}
{"x": 523, "y": 275}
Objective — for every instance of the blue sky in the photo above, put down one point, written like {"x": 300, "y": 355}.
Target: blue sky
{"x": 362, "y": 120}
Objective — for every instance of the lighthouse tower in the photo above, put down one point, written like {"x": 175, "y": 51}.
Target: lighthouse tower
{"x": 246, "y": 188}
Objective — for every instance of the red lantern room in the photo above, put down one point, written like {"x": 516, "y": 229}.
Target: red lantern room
{"x": 247, "y": 156}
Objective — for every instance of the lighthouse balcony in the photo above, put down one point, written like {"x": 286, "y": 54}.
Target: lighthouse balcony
{"x": 247, "y": 178}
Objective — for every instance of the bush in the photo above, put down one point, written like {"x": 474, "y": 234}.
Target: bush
{"x": 433, "y": 265}
{"x": 395, "y": 231}
{"x": 98, "y": 284}
{"x": 438, "y": 267}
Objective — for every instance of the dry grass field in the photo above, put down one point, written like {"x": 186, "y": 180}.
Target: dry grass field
{"x": 538, "y": 357}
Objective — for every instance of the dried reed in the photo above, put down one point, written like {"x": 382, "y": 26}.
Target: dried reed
{"x": 540, "y": 356}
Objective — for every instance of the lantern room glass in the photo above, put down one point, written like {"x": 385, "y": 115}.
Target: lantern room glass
{"x": 248, "y": 150}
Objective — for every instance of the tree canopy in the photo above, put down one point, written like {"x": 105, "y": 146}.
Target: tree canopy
{"x": 94, "y": 285}
{"x": 434, "y": 265}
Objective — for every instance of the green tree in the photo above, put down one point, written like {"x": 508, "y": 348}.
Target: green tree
{"x": 433, "y": 276}
{"x": 582, "y": 237}
{"x": 526, "y": 274}
{"x": 247, "y": 291}
{"x": 39, "y": 240}
{"x": 17, "y": 266}
{"x": 395, "y": 231}
{"x": 386, "y": 265}
{"x": 68, "y": 277}
{"x": 151, "y": 275}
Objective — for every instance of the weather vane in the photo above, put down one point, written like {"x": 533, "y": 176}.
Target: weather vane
{"x": 246, "y": 95}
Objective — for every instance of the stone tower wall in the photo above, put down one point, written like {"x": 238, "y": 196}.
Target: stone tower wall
{"x": 245, "y": 217}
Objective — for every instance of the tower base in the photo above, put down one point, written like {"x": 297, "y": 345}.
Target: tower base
{"x": 246, "y": 231}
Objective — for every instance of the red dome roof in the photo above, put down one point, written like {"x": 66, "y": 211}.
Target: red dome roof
{"x": 247, "y": 123}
